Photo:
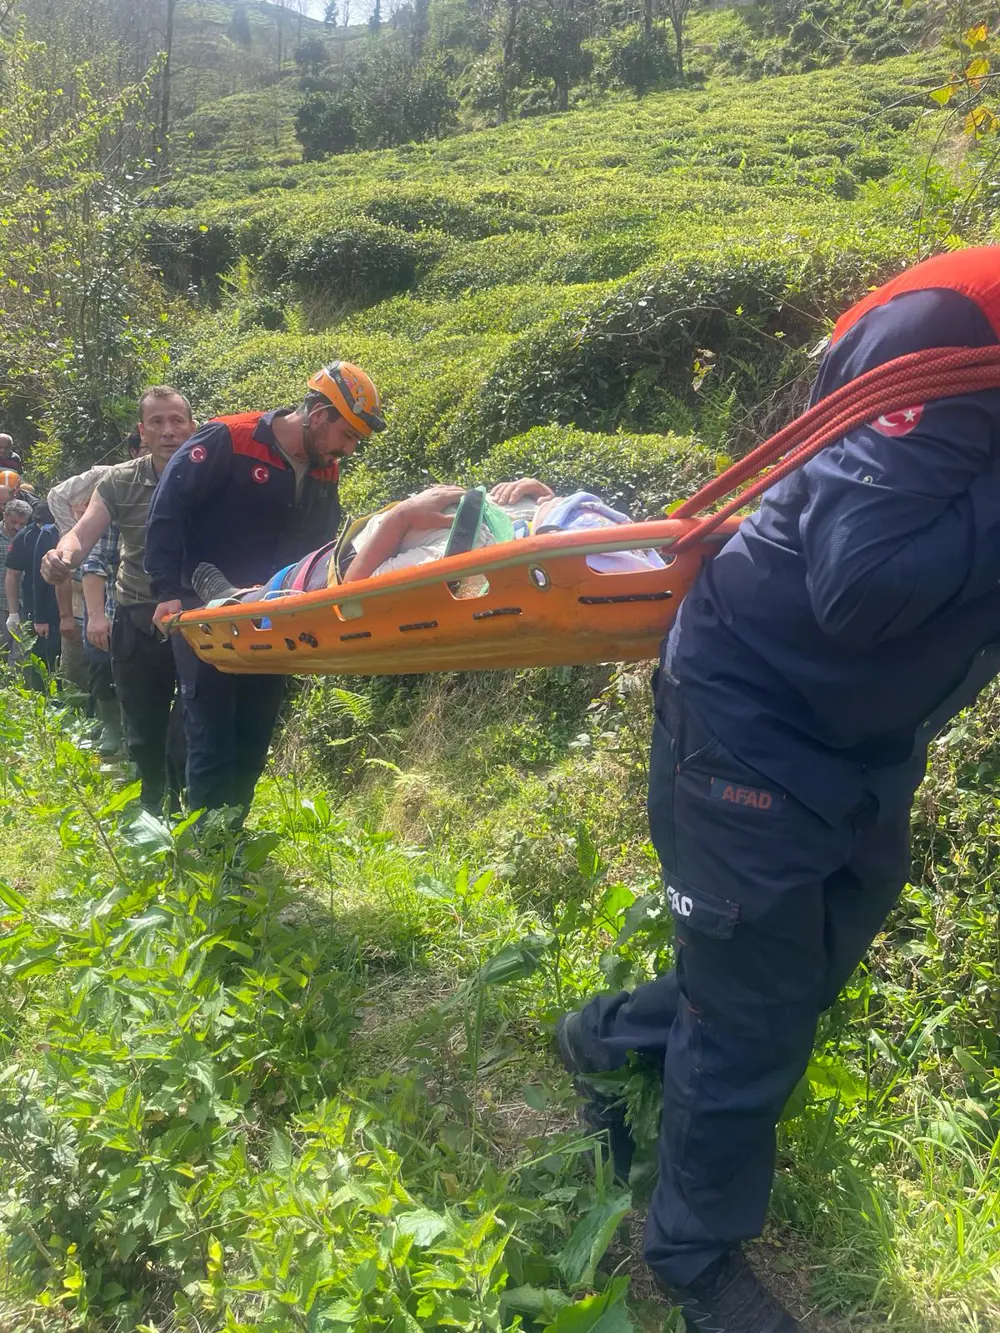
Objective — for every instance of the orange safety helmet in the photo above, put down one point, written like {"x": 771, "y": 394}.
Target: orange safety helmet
{"x": 352, "y": 393}
{"x": 11, "y": 479}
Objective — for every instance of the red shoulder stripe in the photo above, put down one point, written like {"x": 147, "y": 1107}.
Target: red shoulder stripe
{"x": 331, "y": 473}
{"x": 242, "y": 431}
{"x": 974, "y": 273}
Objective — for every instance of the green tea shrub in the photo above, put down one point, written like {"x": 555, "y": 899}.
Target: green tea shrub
{"x": 626, "y": 359}
{"x": 639, "y": 474}
{"x": 190, "y": 254}
{"x": 357, "y": 265}
{"x": 416, "y": 211}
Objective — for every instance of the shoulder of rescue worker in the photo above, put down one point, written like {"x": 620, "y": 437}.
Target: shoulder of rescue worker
{"x": 210, "y": 441}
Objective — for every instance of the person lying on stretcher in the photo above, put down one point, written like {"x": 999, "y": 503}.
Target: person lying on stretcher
{"x": 440, "y": 521}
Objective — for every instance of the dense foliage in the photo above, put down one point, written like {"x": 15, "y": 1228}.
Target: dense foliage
{"x": 302, "y": 1081}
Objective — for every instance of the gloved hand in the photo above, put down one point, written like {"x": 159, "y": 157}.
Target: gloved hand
{"x": 13, "y": 622}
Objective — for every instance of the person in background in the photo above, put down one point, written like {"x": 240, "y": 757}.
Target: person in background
{"x": 98, "y": 578}
{"x": 48, "y": 614}
{"x": 142, "y": 662}
{"x": 16, "y": 515}
{"x": 68, "y": 503}
{"x": 248, "y": 494}
{"x": 9, "y": 460}
{"x": 19, "y": 586}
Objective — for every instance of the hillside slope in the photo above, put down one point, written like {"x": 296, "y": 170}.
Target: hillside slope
{"x": 564, "y": 271}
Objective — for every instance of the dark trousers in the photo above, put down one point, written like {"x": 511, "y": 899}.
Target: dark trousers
{"x": 773, "y": 910}
{"x": 145, "y": 679}
{"x": 99, "y": 678}
{"x": 228, "y": 723}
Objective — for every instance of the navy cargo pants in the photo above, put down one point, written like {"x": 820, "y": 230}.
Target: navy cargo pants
{"x": 774, "y": 909}
{"x": 228, "y": 723}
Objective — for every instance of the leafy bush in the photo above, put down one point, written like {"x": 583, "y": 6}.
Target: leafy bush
{"x": 358, "y": 265}
{"x": 638, "y": 474}
{"x": 324, "y": 124}
{"x": 630, "y": 59}
{"x": 387, "y": 98}
{"x": 190, "y": 254}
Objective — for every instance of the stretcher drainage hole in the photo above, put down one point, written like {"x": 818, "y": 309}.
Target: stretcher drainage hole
{"x": 539, "y": 578}
{"x": 290, "y": 645}
{"x": 206, "y": 630}
{"x": 500, "y": 611}
{"x": 206, "y": 647}
{"x": 420, "y": 624}
{"x": 361, "y": 634}
{"x": 234, "y": 631}
{"x": 261, "y": 647}
{"x": 310, "y": 639}
{"x": 627, "y": 597}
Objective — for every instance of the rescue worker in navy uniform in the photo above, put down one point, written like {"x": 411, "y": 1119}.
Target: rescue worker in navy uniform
{"x": 249, "y": 494}
{"x": 807, "y": 670}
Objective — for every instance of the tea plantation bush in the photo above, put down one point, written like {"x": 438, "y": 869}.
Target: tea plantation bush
{"x": 558, "y": 272}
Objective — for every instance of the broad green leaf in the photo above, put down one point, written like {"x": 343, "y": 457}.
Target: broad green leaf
{"x": 538, "y": 1302}
{"x": 422, "y": 1225}
{"x": 590, "y": 1238}
{"x": 121, "y": 799}
{"x": 596, "y": 1314}
{"x": 515, "y": 962}
{"x": 11, "y": 898}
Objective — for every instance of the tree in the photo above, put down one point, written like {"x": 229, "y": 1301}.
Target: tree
{"x": 630, "y": 59}
{"x": 420, "y": 25}
{"x": 330, "y": 13}
{"x": 677, "y": 12}
{"x": 79, "y": 335}
{"x": 549, "y": 44}
{"x": 239, "y": 27}
{"x": 647, "y": 18}
{"x": 375, "y": 22}
{"x": 312, "y": 55}
{"x": 324, "y": 125}
{"x": 398, "y": 100}
{"x": 511, "y": 32}
{"x": 171, "y": 8}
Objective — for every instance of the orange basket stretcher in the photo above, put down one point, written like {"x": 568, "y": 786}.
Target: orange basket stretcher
{"x": 537, "y": 602}
{"x": 544, "y": 605}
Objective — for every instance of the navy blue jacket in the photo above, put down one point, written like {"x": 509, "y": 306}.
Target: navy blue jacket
{"x": 227, "y": 497}
{"x": 44, "y": 604}
{"x": 859, "y": 608}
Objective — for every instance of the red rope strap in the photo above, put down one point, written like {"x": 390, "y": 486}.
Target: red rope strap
{"x": 919, "y": 377}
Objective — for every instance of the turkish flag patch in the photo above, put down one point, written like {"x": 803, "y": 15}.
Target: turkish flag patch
{"x": 899, "y": 423}
{"x": 198, "y": 454}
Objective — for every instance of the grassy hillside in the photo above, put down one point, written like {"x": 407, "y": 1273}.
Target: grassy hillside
{"x": 236, "y": 85}
{"x": 564, "y": 271}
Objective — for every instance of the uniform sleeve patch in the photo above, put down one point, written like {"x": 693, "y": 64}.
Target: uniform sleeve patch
{"x": 198, "y": 454}
{"x": 899, "y": 423}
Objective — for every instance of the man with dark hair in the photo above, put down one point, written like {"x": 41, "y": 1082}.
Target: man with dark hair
{"x": 248, "y": 494}
{"x": 142, "y": 664}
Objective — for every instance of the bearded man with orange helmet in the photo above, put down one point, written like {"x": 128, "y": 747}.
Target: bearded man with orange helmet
{"x": 248, "y": 494}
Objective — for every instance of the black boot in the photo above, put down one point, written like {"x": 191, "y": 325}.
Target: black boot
{"x": 211, "y": 584}
{"x": 729, "y": 1298}
{"x": 600, "y": 1113}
